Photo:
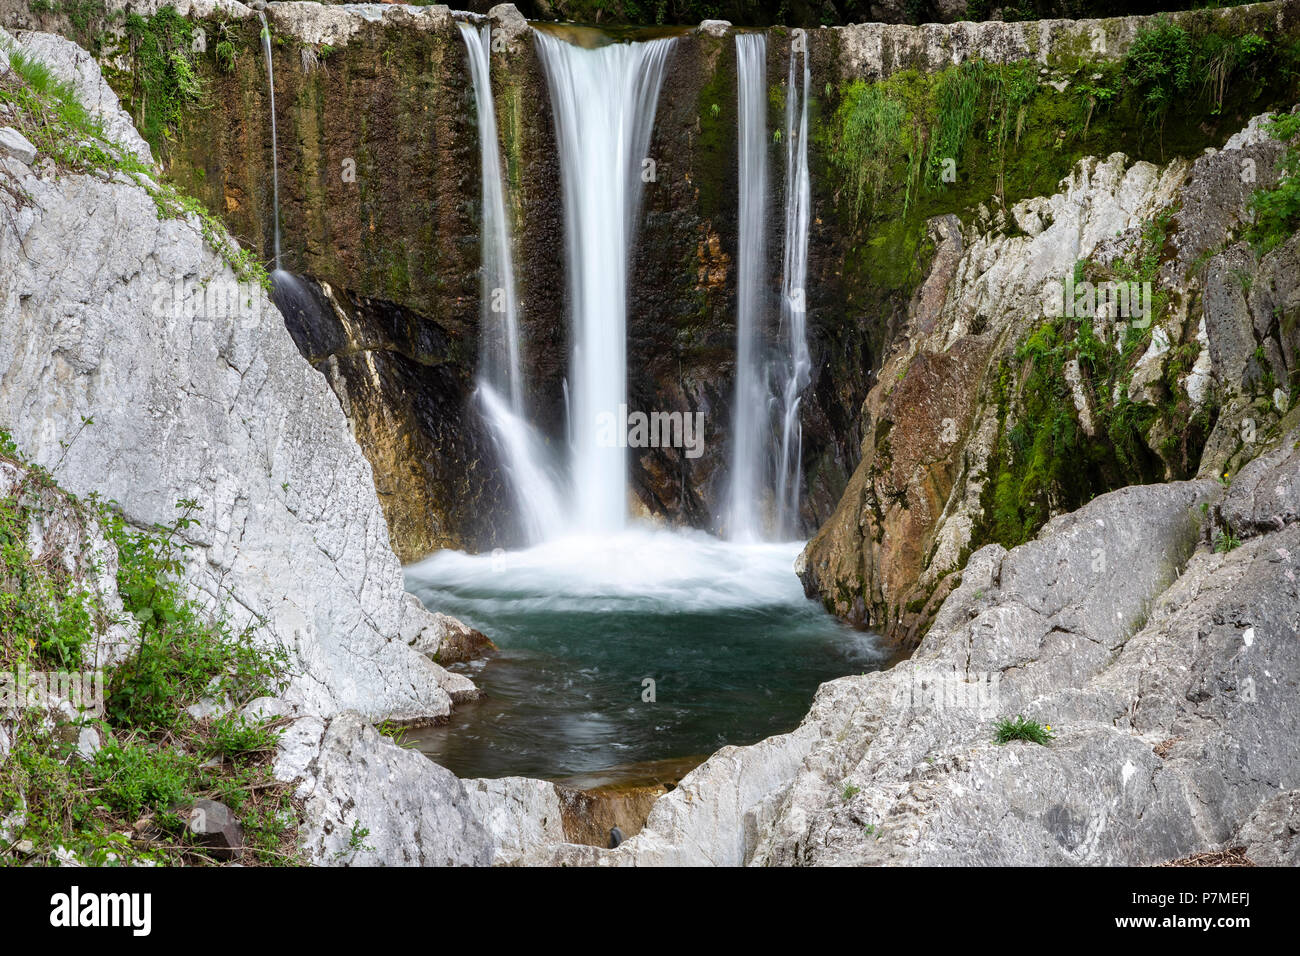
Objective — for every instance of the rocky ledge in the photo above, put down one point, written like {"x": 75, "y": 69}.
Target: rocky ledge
{"x": 1153, "y": 631}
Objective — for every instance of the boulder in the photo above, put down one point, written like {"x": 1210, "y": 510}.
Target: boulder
{"x": 448, "y": 641}
{"x": 1265, "y": 495}
{"x": 1271, "y": 836}
{"x": 112, "y": 318}
{"x": 367, "y": 801}
{"x": 214, "y": 826}
{"x": 17, "y": 145}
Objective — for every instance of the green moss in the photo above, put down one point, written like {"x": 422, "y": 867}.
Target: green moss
{"x": 1277, "y": 209}
{"x": 1002, "y": 133}
{"x": 161, "y": 48}
{"x": 716, "y": 142}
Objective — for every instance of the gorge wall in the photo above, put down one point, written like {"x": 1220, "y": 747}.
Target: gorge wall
{"x": 379, "y": 195}
{"x": 1154, "y": 626}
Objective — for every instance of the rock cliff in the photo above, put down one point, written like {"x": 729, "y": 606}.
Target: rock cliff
{"x": 998, "y": 408}
{"x": 1165, "y": 667}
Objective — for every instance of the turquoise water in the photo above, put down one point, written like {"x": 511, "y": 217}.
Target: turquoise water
{"x": 734, "y": 649}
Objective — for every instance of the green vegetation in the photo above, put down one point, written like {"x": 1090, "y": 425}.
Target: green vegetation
{"x": 393, "y": 731}
{"x": 179, "y": 650}
{"x": 124, "y": 802}
{"x": 49, "y": 114}
{"x": 1159, "y": 67}
{"x": 356, "y": 843}
{"x": 82, "y": 15}
{"x": 1022, "y": 728}
{"x": 47, "y": 616}
{"x": 1045, "y": 461}
{"x": 1277, "y": 210}
{"x": 1226, "y": 541}
{"x": 166, "y": 83}
{"x": 901, "y": 150}
{"x": 869, "y": 127}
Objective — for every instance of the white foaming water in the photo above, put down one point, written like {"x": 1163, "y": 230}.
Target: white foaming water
{"x": 751, "y": 416}
{"x": 794, "y": 275}
{"x": 500, "y": 392}
{"x": 604, "y": 102}
{"x": 275, "y": 152}
{"x": 499, "y": 333}
{"x": 641, "y": 569}
{"x": 534, "y": 486}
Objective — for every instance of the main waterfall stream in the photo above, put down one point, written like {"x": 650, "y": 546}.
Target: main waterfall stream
{"x": 622, "y": 645}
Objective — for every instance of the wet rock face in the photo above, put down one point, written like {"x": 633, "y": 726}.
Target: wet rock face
{"x": 948, "y": 454}
{"x": 379, "y": 201}
{"x": 410, "y": 407}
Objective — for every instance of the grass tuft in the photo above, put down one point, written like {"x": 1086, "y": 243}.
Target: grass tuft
{"x": 1022, "y": 728}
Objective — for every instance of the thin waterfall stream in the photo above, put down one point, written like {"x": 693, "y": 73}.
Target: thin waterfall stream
{"x": 772, "y": 371}
{"x": 794, "y": 291}
{"x": 751, "y": 422}
{"x": 536, "y": 490}
{"x": 275, "y": 153}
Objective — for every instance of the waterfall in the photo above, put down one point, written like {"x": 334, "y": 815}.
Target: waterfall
{"x": 758, "y": 362}
{"x": 603, "y": 101}
{"x": 750, "y": 417}
{"x": 293, "y": 296}
{"x": 794, "y": 274}
{"x": 500, "y": 393}
{"x": 499, "y": 335}
{"x": 275, "y": 154}
{"x": 534, "y": 486}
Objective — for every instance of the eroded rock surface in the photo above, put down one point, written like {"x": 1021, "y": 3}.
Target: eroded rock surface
{"x": 1167, "y": 671}
{"x": 954, "y": 455}
{"x": 107, "y": 313}
{"x": 368, "y": 801}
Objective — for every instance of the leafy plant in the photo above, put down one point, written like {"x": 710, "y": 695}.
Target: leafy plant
{"x": 1277, "y": 209}
{"x": 1159, "y": 67}
{"x": 1226, "y": 541}
{"x": 167, "y": 83}
{"x": 868, "y": 135}
{"x": 1022, "y": 728}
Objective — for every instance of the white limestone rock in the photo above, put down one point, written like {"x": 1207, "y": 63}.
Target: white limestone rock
{"x": 209, "y": 406}
{"x": 17, "y": 145}
{"x": 370, "y": 802}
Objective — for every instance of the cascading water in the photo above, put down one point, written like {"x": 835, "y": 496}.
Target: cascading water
{"x": 593, "y": 618}
{"x": 500, "y": 379}
{"x": 291, "y": 294}
{"x": 750, "y": 418}
{"x": 794, "y": 273}
{"x": 499, "y": 335}
{"x": 604, "y": 103}
{"x": 275, "y": 154}
{"x": 787, "y": 361}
